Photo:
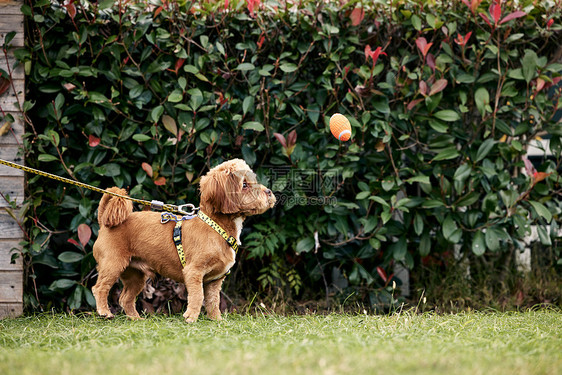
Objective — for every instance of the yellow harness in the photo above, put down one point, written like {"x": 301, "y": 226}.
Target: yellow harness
{"x": 177, "y": 231}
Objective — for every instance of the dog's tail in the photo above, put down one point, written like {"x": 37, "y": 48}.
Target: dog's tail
{"x": 113, "y": 210}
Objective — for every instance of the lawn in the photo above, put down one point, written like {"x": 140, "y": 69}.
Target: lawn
{"x": 402, "y": 343}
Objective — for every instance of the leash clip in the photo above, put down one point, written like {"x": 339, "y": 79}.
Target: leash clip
{"x": 193, "y": 210}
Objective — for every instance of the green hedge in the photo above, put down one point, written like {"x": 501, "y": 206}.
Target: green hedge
{"x": 150, "y": 96}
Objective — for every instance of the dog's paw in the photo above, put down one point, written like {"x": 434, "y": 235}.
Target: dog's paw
{"x": 190, "y": 318}
{"x": 106, "y": 315}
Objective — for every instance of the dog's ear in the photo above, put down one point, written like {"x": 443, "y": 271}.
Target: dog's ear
{"x": 220, "y": 191}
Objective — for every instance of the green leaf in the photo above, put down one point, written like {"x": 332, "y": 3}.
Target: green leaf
{"x": 399, "y": 249}
{"x": 288, "y": 67}
{"x": 416, "y": 22}
{"x": 245, "y": 67}
{"x": 425, "y": 245}
{"x": 543, "y": 236}
{"x": 484, "y": 149}
{"x": 419, "y": 178}
{"x": 156, "y": 113}
{"x": 482, "y": 99}
{"x": 508, "y": 197}
{"x": 379, "y": 200}
{"x": 492, "y": 239}
{"x": 450, "y": 230}
{"x": 529, "y": 65}
{"x": 141, "y": 137}
{"x": 462, "y": 172}
{"x": 175, "y": 96}
{"x": 105, "y": 4}
{"x": 438, "y": 126}
{"x": 363, "y": 195}
{"x": 62, "y": 284}
{"x": 478, "y": 245}
{"x": 247, "y": 104}
{"x": 70, "y": 257}
{"x": 253, "y": 125}
{"x": 305, "y": 245}
{"x": 432, "y": 203}
{"x": 447, "y": 115}
{"x": 541, "y": 210}
{"x": 46, "y": 158}
{"x": 447, "y": 154}
{"x": 418, "y": 224}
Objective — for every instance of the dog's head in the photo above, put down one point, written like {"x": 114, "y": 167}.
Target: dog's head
{"x": 232, "y": 188}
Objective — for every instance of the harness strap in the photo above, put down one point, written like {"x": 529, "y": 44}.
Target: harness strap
{"x": 177, "y": 242}
{"x": 229, "y": 239}
{"x": 177, "y": 237}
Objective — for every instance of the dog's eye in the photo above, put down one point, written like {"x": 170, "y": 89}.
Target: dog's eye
{"x": 245, "y": 185}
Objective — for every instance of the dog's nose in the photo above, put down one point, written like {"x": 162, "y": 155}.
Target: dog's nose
{"x": 268, "y": 192}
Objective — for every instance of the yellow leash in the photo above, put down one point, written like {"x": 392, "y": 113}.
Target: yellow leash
{"x": 156, "y": 205}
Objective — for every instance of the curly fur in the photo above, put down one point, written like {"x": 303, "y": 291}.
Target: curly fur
{"x": 132, "y": 246}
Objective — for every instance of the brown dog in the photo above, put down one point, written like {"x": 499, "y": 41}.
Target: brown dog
{"x": 134, "y": 245}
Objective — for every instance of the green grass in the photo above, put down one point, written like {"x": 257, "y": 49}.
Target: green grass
{"x": 465, "y": 343}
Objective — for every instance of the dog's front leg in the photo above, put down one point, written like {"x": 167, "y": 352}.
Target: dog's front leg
{"x": 213, "y": 298}
{"x": 194, "y": 285}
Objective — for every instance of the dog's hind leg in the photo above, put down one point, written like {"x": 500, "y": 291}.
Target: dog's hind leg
{"x": 213, "y": 298}
{"x": 108, "y": 273}
{"x": 133, "y": 283}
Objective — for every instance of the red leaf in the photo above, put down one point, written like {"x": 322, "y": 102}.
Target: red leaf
{"x": 423, "y": 88}
{"x": 382, "y": 274}
{"x": 438, "y": 86}
{"x": 157, "y": 11}
{"x": 539, "y": 176}
{"x": 357, "y": 16}
{"x": 423, "y": 46}
{"x": 529, "y": 168}
{"x": 262, "y": 39}
{"x": 474, "y": 5}
{"x": 179, "y": 64}
{"x": 71, "y": 10}
{"x": 549, "y": 23}
{"x": 414, "y": 103}
{"x": 69, "y": 87}
{"x": 93, "y": 140}
{"x": 226, "y": 5}
{"x": 84, "y": 234}
{"x": 73, "y": 241}
{"x": 485, "y": 17}
{"x": 251, "y": 4}
{"x": 540, "y": 85}
{"x": 368, "y": 52}
{"x": 281, "y": 138}
{"x": 513, "y": 16}
{"x": 495, "y": 11}
{"x": 4, "y": 84}
{"x": 147, "y": 168}
{"x": 292, "y": 138}
{"x": 160, "y": 181}
{"x": 431, "y": 61}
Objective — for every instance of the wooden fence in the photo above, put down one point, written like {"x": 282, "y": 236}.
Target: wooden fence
{"x": 11, "y": 180}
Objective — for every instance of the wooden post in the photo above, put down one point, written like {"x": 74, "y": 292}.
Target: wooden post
{"x": 11, "y": 180}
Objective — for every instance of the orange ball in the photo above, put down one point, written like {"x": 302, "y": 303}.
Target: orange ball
{"x": 340, "y": 127}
